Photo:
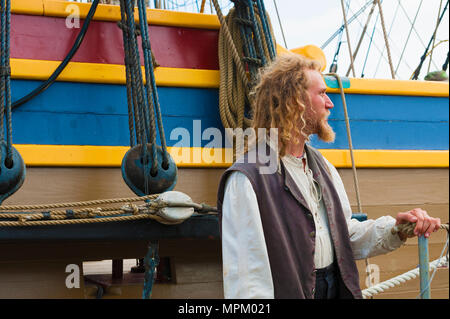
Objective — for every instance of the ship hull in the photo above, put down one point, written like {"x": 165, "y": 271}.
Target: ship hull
{"x": 74, "y": 135}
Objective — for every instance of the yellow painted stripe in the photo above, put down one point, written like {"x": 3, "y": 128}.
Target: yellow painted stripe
{"x": 111, "y": 156}
{"x": 33, "y": 7}
{"x": 104, "y": 12}
{"x": 388, "y": 158}
{"x": 111, "y": 73}
{"x": 396, "y": 87}
{"x": 179, "y": 77}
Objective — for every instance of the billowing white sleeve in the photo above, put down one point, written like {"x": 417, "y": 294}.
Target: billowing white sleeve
{"x": 368, "y": 238}
{"x": 246, "y": 268}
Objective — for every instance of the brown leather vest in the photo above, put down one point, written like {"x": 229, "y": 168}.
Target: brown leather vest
{"x": 289, "y": 228}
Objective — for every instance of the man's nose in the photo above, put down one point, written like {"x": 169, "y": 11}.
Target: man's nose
{"x": 328, "y": 103}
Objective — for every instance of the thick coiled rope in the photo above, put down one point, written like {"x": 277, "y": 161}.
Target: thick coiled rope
{"x": 398, "y": 280}
{"x": 408, "y": 228}
{"x": 245, "y": 40}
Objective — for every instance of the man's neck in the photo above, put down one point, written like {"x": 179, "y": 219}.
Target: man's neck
{"x": 296, "y": 149}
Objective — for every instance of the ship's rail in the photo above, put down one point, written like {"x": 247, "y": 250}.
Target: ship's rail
{"x": 422, "y": 270}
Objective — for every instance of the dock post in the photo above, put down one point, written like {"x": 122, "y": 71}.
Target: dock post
{"x": 424, "y": 268}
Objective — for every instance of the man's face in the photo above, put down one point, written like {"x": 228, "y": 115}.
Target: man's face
{"x": 316, "y": 115}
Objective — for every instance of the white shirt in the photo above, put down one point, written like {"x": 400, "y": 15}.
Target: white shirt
{"x": 246, "y": 267}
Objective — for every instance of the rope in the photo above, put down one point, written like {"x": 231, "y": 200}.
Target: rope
{"x": 398, "y": 280}
{"x": 422, "y": 59}
{"x": 386, "y": 40}
{"x": 52, "y": 78}
{"x": 150, "y": 210}
{"x": 431, "y": 52}
{"x": 350, "y": 145}
{"x": 434, "y": 39}
{"x": 279, "y": 21}
{"x": 151, "y": 81}
{"x": 151, "y": 261}
{"x": 414, "y": 29}
{"x": 445, "y": 65}
{"x": 339, "y": 31}
{"x": 355, "y": 176}
{"x": 409, "y": 34}
{"x": 247, "y": 30}
{"x": 5, "y": 86}
{"x": 362, "y": 35}
{"x": 394, "y": 18}
{"x": 202, "y": 9}
{"x": 408, "y": 228}
{"x": 348, "y": 39}
{"x": 144, "y": 111}
{"x": 78, "y": 204}
{"x": 334, "y": 66}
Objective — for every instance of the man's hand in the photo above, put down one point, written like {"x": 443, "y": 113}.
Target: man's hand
{"x": 425, "y": 224}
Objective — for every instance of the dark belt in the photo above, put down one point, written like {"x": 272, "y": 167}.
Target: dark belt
{"x": 322, "y": 272}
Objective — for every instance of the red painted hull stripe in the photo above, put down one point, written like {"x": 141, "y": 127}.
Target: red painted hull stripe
{"x": 48, "y": 38}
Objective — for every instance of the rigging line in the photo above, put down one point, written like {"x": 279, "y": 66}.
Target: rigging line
{"x": 435, "y": 31}
{"x": 279, "y": 21}
{"x": 409, "y": 34}
{"x": 376, "y": 46}
{"x": 370, "y": 44}
{"x": 445, "y": 65}
{"x": 362, "y": 34}
{"x": 391, "y": 67}
{"x": 202, "y": 8}
{"x": 64, "y": 63}
{"x": 389, "y": 33}
{"x": 414, "y": 29}
{"x": 196, "y": 3}
{"x": 422, "y": 59}
{"x": 348, "y": 39}
{"x": 333, "y": 66}
{"x": 341, "y": 28}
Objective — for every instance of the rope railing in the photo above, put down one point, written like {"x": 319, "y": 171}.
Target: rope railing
{"x": 408, "y": 229}
{"x": 400, "y": 279}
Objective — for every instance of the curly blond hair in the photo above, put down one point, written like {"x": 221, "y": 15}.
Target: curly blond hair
{"x": 280, "y": 98}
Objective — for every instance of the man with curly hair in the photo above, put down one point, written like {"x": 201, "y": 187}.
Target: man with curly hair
{"x": 289, "y": 233}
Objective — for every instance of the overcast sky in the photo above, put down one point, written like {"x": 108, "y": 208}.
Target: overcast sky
{"x": 313, "y": 22}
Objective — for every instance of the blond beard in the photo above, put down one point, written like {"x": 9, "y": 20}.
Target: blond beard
{"x": 322, "y": 129}
{"x": 325, "y": 132}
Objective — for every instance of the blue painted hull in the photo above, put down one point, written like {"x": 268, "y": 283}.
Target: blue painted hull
{"x": 96, "y": 114}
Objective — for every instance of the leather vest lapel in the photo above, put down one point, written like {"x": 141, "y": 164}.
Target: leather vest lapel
{"x": 289, "y": 185}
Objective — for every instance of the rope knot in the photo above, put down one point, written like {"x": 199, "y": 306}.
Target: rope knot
{"x": 407, "y": 229}
{"x": 135, "y": 208}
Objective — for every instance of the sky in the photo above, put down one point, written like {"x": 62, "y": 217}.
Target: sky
{"x": 307, "y": 22}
